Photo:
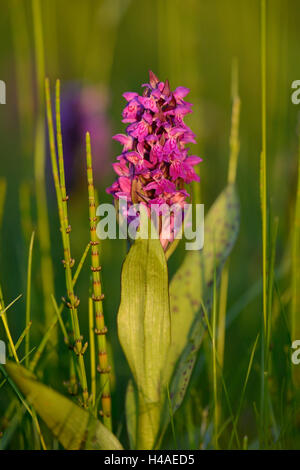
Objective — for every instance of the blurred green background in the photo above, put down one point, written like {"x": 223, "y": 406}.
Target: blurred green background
{"x": 110, "y": 45}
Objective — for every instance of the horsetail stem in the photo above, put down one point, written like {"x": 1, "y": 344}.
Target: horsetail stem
{"x": 59, "y": 181}
{"x": 68, "y": 261}
{"x": 100, "y": 330}
{"x": 92, "y": 351}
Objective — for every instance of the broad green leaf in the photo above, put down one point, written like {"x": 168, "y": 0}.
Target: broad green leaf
{"x": 192, "y": 284}
{"x": 131, "y": 413}
{"x": 144, "y": 329}
{"x": 74, "y": 427}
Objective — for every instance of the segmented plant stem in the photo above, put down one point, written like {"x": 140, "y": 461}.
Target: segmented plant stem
{"x": 73, "y": 300}
{"x": 59, "y": 182}
{"x": 92, "y": 351}
{"x": 100, "y": 330}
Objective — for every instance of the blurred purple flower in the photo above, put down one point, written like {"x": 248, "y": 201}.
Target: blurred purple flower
{"x": 82, "y": 110}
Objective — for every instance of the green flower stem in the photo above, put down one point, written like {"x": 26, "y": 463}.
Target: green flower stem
{"x": 100, "y": 330}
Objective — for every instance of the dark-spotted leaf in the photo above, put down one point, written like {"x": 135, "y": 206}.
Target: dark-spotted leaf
{"x": 192, "y": 285}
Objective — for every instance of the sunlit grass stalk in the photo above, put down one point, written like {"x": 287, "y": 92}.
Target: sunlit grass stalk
{"x": 25, "y": 210}
{"x": 23, "y": 335}
{"x": 2, "y": 198}
{"x": 28, "y": 299}
{"x": 80, "y": 264}
{"x": 234, "y": 145}
{"x": 42, "y": 345}
{"x": 210, "y": 332}
{"x": 295, "y": 304}
{"x": 26, "y": 405}
{"x": 271, "y": 270}
{"x": 100, "y": 328}
{"x": 214, "y": 361}
{"x": 264, "y": 213}
{"x": 3, "y": 310}
{"x": 22, "y": 52}
{"x": 237, "y": 416}
{"x": 47, "y": 274}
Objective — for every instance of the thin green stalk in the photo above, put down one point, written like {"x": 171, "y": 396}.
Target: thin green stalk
{"x": 234, "y": 145}
{"x": 271, "y": 270}
{"x": 264, "y": 211}
{"x": 42, "y": 345}
{"x": 58, "y": 311}
{"x": 100, "y": 330}
{"x": 24, "y": 402}
{"x": 22, "y": 335}
{"x": 3, "y": 311}
{"x": 25, "y": 210}
{"x": 295, "y": 304}
{"x": 210, "y": 332}
{"x": 2, "y": 198}
{"x": 244, "y": 388}
{"x": 263, "y": 181}
{"x": 81, "y": 263}
{"x": 214, "y": 360}
{"x": 28, "y": 298}
{"x": 47, "y": 274}
{"x": 24, "y": 101}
